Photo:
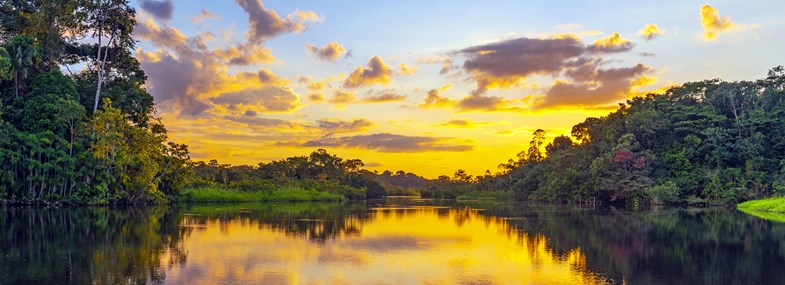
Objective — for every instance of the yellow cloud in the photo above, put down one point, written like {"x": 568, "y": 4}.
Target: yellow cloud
{"x": 376, "y": 73}
{"x": 434, "y": 100}
{"x": 462, "y": 124}
{"x": 612, "y": 43}
{"x": 243, "y": 54}
{"x": 316, "y": 97}
{"x": 408, "y": 69}
{"x": 650, "y": 31}
{"x": 331, "y": 52}
{"x": 712, "y": 23}
{"x": 342, "y": 97}
{"x": 643, "y": 81}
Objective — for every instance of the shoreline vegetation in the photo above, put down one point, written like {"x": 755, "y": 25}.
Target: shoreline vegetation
{"x": 772, "y": 208}
{"x": 222, "y": 195}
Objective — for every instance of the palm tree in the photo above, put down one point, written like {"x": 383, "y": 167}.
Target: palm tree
{"x": 21, "y": 57}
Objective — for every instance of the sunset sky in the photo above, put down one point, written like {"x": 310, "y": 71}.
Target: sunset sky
{"x": 427, "y": 87}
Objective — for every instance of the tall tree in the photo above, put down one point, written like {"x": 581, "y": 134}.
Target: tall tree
{"x": 112, "y": 23}
{"x": 21, "y": 54}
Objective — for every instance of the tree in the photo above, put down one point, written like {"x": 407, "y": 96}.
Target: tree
{"x": 352, "y": 166}
{"x": 559, "y": 143}
{"x": 127, "y": 156}
{"x": 461, "y": 176}
{"x": 111, "y": 23}
{"x": 21, "y": 52}
{"x": 535, "y": 146}
{"x": 5, "y": 64}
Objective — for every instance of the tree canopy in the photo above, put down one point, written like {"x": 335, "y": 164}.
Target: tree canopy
{"x": 56, "y": 142}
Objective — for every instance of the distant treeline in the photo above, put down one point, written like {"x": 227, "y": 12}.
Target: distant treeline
{"x": 703, "y": 142}
{"x": 319, "y": 171}
{"x": 88, "y": 137}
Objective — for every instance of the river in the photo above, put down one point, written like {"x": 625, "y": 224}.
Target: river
{"x": 392, "y": 241}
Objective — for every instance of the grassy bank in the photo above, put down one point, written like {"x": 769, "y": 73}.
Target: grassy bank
{"x": 221, "y": 195}
{"x": 772, "y": 209}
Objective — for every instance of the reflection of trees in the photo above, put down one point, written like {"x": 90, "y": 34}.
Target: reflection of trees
{"x": 83, "y": 246}
{"x": 704, "y": 246}
{"x": 700, "y": 246}
{"x": 317, "y": 222}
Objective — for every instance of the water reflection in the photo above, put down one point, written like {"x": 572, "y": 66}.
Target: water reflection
{"x": 388, "y": 242}
{"x": 378, "y": 244}
{"x": 82, "y": 246}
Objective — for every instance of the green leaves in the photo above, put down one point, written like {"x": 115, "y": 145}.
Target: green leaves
{"x": 707, "y": 141}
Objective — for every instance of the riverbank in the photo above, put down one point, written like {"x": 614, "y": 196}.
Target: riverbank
{"x": 772, "y": 209}
{"x": 222, "y": 195}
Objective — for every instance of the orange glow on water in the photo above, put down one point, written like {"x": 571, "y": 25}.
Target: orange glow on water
{"x": 417, "y": 245}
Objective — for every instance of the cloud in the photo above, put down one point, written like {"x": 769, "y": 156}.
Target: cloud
{"x": 341, "y": 126}
{"x": 650, "y": 31}
{"x": 265, "y": 24}
{"x": 445, "y": 61}
{"x": 184, "y": 74}
{"x": 502, "y": 64}
{"x": 317, "y": 85}
{"x": 203, "y": 15}
{"x": 161, "y": 10}
{"x": 268, "y": 77}
{"x": 578, "y": 69}
{"x": 259, "y": 123}
{"x": 407, "y": 69}
{"x": 386, "y": 142}
{"x": 384, "y": 96}
{"x": 611, "y": 44}
{"x": 376, "y": 73}
{"x": 462, "y": 124}
{"x": 594, "y": 86}
{"x": 244, "y": 54}
{"x": 373, "y": 164}
{"x": 484, "y": 103}
{"x": 434, "y": 100}
{"x": 316, "y": 97}
{"x": 330, "y": 52}
{"x": 177, "y": 81}
{"x": 342, "y": 97}
{"x": 167, "y": 36}
{"x": 267, "y": 99}
{"x": 712, "y": 23}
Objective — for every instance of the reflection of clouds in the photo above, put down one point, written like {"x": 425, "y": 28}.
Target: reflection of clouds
{"x": 392, "y": 244}
{"x": 403, "y": 243}
{"x": 274, "y": 278}
{"x": 329, "y": 256}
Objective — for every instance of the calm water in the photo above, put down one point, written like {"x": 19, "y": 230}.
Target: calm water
{"x": 401, "y": 241}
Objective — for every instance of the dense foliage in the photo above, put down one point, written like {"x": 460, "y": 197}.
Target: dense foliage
{"x": 57, "y": 143}
{"x": 703, "y": 142}
{"x": 319, "y": 171}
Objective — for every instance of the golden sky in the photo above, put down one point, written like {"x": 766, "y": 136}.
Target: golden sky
{"x": 426, "y": 87}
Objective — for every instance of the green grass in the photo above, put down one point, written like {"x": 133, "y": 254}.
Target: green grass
{"x": 221, "y": 195}
{"x": 772, "y": 209}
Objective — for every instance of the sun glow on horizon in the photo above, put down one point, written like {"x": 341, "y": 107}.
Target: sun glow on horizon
{"x": 258, "y": 81}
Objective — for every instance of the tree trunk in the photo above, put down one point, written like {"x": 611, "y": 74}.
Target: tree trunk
{"x": 99, "y": 72}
